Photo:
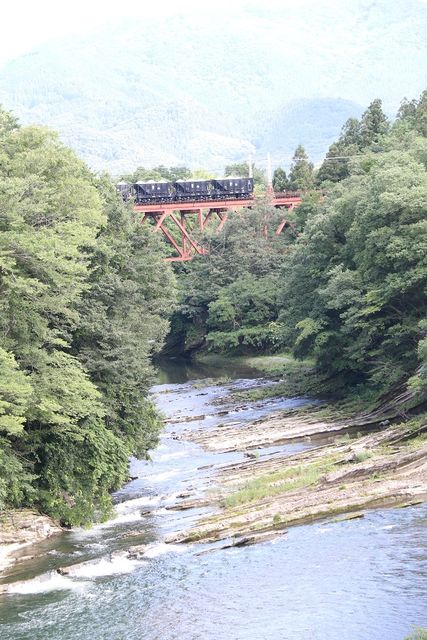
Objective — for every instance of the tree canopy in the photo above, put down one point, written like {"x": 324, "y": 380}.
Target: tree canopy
{"x": 228, "y": 298}
{"x": 280, "y": 180}
{"x": 355, "y": 281}
{"x": 356, "y": 137}
{"x": 301, "y": 174}
{"x": 84, "y": 303}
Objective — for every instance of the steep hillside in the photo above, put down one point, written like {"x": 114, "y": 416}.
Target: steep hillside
{"x": 207, "y": 88}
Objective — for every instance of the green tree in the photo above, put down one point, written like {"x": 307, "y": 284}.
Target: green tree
{"x": 350, "y": 136}
{"x": 202, "y": 174}
{"x": 336, "y": 165}
{"x": 83, "y": 305}
{"x": 229, "y": 297}
{"x": 280, "y": 180}
{"x": 373, "y": 126}
{"x": 417, "y": 634}
{"x": 161, "y": 172}
{"x": 15, "y": 393}
{"x": 301, "y": 175}
{"x": 173, "y": 173}
{"x": 407, "y": 112}
{"x": 421, "y": 115}
{"x": 8, "y": 122}
{"x": 51, "y": 215}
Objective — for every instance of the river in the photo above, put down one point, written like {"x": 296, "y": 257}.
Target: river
{"x": 357, "y": 580}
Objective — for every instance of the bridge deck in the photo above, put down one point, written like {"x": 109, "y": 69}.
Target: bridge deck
{"x": 278, "y": 200}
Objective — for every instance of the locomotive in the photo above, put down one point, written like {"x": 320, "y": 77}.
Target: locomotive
{"x": 150, "y": 191}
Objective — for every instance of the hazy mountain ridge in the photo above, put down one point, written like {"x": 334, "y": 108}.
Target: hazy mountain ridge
{"x": 210, "y": 88}
{"x": 313, "y": 123}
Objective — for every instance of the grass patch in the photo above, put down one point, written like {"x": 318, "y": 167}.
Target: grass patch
{"x": 276, "y": 364}
{"x": 418, "y": 441}
{"x": 273, "y": 484}
{"x": 343, "y": 439}
{"x": 261, "y": 393}
{"x": 361, "y": 456}
{"x": 415, "y": 424}
{"x": 211, "y": 382}
{"x": 270, "y": 364}
{"x": 417, "y": 634}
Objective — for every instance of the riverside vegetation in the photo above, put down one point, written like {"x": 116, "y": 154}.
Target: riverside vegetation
{"x": 86, "y": 300}
{"x": 84, "y": 303}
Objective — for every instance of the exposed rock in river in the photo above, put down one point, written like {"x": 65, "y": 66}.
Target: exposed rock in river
{"x": 379, "y": 469}
{"x": 22, "y": 528}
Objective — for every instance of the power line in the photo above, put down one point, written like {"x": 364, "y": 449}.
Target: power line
{"x": 358, "y": 155}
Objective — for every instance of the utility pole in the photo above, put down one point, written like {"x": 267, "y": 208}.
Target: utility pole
{"x": 269, "y": 174}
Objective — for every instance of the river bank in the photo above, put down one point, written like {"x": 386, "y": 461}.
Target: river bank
{"x": 21, "y": 529}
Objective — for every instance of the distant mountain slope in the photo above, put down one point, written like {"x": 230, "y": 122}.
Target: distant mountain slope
{"x": 312, "y": 123}
{"x": 205, "y": 89}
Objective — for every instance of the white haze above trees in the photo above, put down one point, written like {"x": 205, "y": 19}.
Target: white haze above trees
{"x": 47, "y": 19}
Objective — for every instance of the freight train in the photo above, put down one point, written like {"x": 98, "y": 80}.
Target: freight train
{"x": 146, "y": 192}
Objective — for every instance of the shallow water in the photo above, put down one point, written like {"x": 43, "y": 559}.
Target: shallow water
{"x": 178, "y": 370}
{"x": 356, "y": 580}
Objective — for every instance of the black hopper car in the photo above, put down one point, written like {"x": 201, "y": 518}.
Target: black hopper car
{"x": 146, "y": 192}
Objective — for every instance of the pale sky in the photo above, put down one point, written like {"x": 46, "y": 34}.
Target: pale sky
{"x": 25, "y": 24}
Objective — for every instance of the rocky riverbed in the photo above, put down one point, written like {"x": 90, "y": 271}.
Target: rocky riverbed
{"x": 342, "y": 473}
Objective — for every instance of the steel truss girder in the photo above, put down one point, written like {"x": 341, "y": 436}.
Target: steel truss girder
{"x": 185, "y": 246}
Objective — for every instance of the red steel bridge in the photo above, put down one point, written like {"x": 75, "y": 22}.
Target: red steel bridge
{"x": 177, "y": 220}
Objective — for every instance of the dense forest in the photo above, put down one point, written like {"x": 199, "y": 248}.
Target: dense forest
{"x": 345, "y": 284}
{"x": 86, "y": 298}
